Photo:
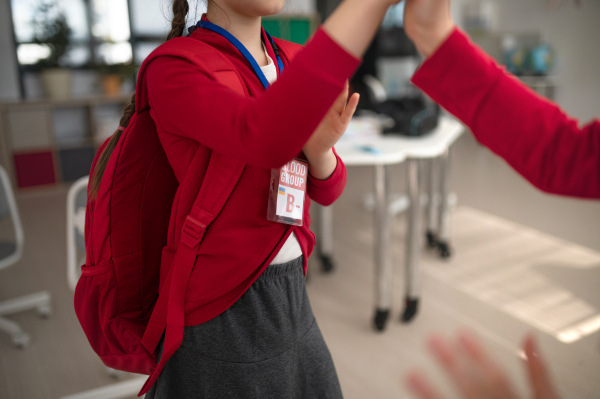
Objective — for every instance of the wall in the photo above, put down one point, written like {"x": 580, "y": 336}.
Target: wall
{"x": 573, "y": 32}
{"x": 9, "y": 88}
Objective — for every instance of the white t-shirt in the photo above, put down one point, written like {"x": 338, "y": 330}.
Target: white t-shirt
{"x": 291, "y": 249}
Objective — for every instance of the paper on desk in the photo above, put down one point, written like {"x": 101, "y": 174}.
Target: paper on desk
{"x": 362, "y": 127}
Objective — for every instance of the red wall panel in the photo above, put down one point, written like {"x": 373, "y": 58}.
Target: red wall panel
{"x": 34, "y": 169}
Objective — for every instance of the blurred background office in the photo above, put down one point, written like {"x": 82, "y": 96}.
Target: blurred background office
{"x": 518, "y": 260}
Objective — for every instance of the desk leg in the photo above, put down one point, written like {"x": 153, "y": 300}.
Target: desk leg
{"x": 432, "y": 216}
{"x": 383, "y": 265}
{"x": 326, "y": 237}
{"x": 444, "y": 213}
{"x": 413, "y": 246}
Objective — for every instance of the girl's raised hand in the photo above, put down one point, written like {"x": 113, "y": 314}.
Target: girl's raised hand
{"x": 333, "y": 125}
{"x": 317, "y": 149}
{"x": 428, "y": 23}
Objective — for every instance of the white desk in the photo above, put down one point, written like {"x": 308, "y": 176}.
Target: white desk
{"x": 387, "y": 151}
{"x": 435, "y": 145}
{"x": 382, "y": 151}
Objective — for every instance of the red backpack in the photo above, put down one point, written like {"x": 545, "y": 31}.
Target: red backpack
{"x": 117, "y": 297}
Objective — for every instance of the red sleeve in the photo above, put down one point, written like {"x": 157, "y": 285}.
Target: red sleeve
{"x": 531, "y": 133}
{"x": 267, "y": 130}
{"x": 326, "y": 192}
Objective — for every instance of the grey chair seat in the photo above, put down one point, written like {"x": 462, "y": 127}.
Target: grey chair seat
{"x": 7, "y": 249}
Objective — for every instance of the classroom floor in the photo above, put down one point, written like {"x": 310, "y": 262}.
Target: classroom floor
{"x": 504, "y": 281}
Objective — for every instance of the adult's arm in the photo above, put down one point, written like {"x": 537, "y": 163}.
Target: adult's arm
{"x": 538, "y": 139}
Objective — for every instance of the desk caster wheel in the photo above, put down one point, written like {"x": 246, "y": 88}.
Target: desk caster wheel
{"x": 444, "y": 250}
{"x": 115, "y": 374}
{"x": 44, "y": 311}
{"x": 431, "y": 240}
{"x": 327, "y": 263}
{"x": 21, "y": 340}
{"x": 410, "y": 310}
{"x": 381, "y": 317}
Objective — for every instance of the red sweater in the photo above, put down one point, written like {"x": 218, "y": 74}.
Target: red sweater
{"x": 195, "y": 113}
{"x": 531, "y": 133}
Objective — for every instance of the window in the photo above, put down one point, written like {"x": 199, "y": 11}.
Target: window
{"x": 103, "y": 32}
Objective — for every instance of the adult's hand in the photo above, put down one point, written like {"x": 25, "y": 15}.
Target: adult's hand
{"x": 428, "y": 23}
{"x": 539, "y": 377}
{"x": 476, "y": 375}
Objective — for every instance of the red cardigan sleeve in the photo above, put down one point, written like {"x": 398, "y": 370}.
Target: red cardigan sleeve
{"x": 531, "y": 133}
{"x": 326, "y": 192}
{"x": 267, "y": 130}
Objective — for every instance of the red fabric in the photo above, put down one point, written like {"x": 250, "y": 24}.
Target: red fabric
{"x": 531, "y": 133}
{"x": 195, "y": 113}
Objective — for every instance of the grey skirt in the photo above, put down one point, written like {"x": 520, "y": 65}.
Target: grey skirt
{"x": 267, "y": 345}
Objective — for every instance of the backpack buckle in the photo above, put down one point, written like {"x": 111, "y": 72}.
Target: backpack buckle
{"x": 192, "y": 232}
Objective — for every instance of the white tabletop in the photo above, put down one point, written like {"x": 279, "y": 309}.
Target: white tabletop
{"x": 374, "y": 151}
{"x": 392, "y": 149}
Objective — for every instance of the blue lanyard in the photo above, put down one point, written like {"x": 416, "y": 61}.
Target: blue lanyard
{"x": 217, "y": 29}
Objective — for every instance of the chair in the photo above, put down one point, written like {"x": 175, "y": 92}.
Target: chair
{"x": 76, "y": 204}
{"x": 10, "y": 253}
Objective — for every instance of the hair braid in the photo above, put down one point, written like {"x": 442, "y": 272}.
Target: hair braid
{"x": 105, "y": 156}
{"x": 180, "y": 11}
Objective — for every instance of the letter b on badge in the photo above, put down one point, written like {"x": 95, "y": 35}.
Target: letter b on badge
{"x": 290, "y": 203}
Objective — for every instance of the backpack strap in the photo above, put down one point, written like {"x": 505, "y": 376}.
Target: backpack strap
{"x": 207, "y": 206}
{"x": 221, "y": 178}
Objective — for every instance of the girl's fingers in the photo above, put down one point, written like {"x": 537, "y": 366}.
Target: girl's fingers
{"x": 421, "y": 387}
{"x": 539, "y": 377}
{"x": 350, "y": 108}
{"x": 340, "y": 103}
{"x": 493, "y": 379}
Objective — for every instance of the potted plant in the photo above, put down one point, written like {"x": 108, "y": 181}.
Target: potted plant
{"x": 52, "y": 30}
{"x": 112, "y": 76}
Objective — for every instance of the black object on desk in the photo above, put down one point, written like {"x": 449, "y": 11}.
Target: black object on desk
{"x": 413, "y": 116}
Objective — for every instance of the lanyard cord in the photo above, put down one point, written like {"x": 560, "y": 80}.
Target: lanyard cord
{"x": 242, "y": 49}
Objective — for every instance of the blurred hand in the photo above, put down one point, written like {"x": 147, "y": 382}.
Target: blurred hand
{"x": 476, "y": 375}
{"x": 317, "y": 149}
{"x": 428, "y": 23}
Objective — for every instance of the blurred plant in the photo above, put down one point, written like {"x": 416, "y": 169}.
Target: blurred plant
{"x": 124, "y": 70}
{"x": 112, "y": 76}
{"x": 51, "y": 29}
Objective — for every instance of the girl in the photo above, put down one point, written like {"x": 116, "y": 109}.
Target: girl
{"x": 249, "y": 329}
